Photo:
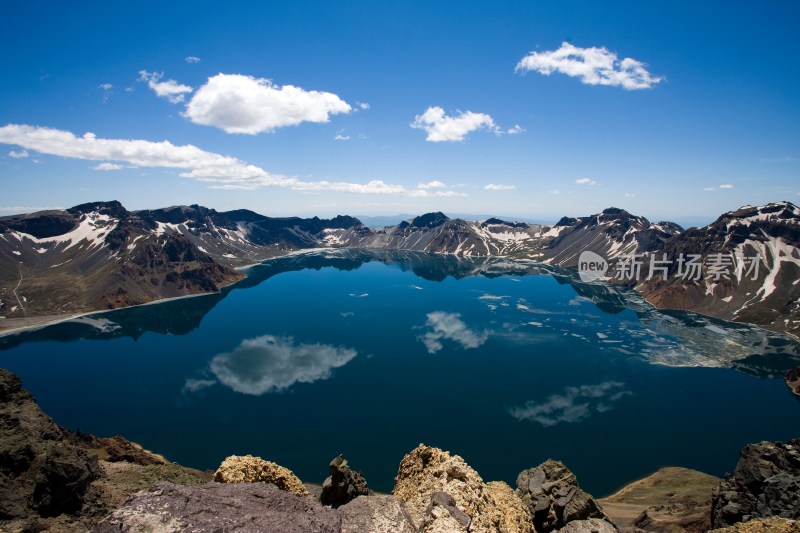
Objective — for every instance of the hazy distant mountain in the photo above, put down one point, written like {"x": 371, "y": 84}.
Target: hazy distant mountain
{"x": 99, "y": 255}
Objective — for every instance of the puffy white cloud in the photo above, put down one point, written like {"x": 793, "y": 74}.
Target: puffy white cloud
{"x": 435, "y": 184}
{"x": 108, "y": 166}
{"x": 499, "y": 187}
{"x": 272, "y": 364}
{"x": 593, "y": 66}
{"x": 171, "y": 90}
{"x": 18, "y": 155}
{"x": 450, "y": 326}
{"x": 443, "y": 128}
{"x": 573, "y": 405}
{"x": 243, "y": 104}
{"x": 515, "y": 130}
{"x": 586, "y": 181}
{"x": 192, "y": 59}
{"x": 363, "y": 105}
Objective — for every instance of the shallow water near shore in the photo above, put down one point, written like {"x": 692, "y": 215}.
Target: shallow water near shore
{"x": 370, "y": 353}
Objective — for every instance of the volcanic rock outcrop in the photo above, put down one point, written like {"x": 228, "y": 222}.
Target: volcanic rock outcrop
{"x": 249, "y": 469}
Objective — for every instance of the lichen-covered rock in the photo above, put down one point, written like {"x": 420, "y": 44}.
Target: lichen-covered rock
{"x": 762, "y": 525}
{"x": 442, "y": 493}
{"x": 592, "y": 525}
{"x": 376, "y": 514}
{"x": 766, "y": 483}
{"x": 343, "y": 485}
{"x": 507, "y": 511}
{"x": 249, "y": 469}
{"x": 233, "y": 508}
{"x": 551, "y": 493}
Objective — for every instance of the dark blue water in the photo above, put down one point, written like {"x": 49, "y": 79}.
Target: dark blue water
{"x": 367, "y": 354}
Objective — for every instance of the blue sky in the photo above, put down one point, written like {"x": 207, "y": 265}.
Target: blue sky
{"x": 677, "y": 110}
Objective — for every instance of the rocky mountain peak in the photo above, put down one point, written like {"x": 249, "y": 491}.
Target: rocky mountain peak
{"x": 113, "y": 209}
{"x": 430, "y": 220}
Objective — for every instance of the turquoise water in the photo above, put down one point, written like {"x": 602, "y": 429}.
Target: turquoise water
{"x": 369, "y": 354}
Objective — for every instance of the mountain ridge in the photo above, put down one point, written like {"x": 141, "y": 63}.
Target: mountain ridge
{"x": 99, "y": 255}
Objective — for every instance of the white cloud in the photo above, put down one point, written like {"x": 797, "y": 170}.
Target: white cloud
{"x": 593, "y": 66}
{"x": 450, "y": 326}
{"x": 105, "y": 86}
{"x": 171, "y": 90}
{"x": 443, "y": 128}
{"x": 340, "y": 136}
{"x": 586, "y": 181}
{"x": 435, "y": 184}
{"x": 219, "y": 171}
{"x": 499, "y": 187}
{"x": 555, "y": 191}
{"x": 630, "y": 195}
{"x": 573, "y": 405}
{"x": 721, "y": 187}
{"x": 108, "y": 166}
{"x": 273, "y": 364}
{"x": 18, "y": 155}
{"x": 363, "y": 105}
{"x": 192, "y": 59}
{"x": 243, "y": 104}
{"x": 515, "y": 130}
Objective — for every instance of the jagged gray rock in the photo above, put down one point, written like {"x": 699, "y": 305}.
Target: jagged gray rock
{"x": 376, "y": 514}
{"x": 241, "y": 507}
{"x": 343, "y": 485}
{"x": 553, "y": 497}
{"x": 592, "y": 525}
{"x": 40, "y": 473}
{"x": 766, "y": 483}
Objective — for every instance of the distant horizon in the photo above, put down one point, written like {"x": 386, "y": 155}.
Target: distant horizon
{"x": 533, "y": 218}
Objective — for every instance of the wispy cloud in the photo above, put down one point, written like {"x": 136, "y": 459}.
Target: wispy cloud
{"x": 273, "y": 364}
{"x": 108, "y": 166}
{"x": 723, "y": 187}
{"x": 573, "y": 405}
{"x": 26, "y": 209}
{"x": 193, "y": 385}
{"x": 18, "y": 155}
{"x": 586, "y": 181}
{"x": 515, "y": 130}
{"x": 237, "y": 103}
{"x": 170, "y": 90}
{"x": 592, "y": 66}
{"x": 630, "y": 195}
{"x": 450, "y": 326}
{"x": 219, "y": 171}
{"x": 340, "y": 136}
{"x": 435, "y": 184}
{"x": 441, "y": 127}
{"x": 555, "y": 191}
{"x": 192, "y": 59}
{"x": 499, "y": 187}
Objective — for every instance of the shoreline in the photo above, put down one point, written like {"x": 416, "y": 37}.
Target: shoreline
{"x": 49, "y": 320}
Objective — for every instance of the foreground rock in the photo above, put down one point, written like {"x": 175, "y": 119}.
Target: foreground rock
{"x": 376, "y": 514}
{"x": 766, "y": 483}
{"x": 241, "y": 507}
{"x": 249, "y": 469}
{"x": 553, "y": 498}
{"x": 670, "y": 499}
{"x": 793, "y": 380}
{"x": 343, "y": 485}
{"x": 40, "y": 473}
{"x": 762, "y": 525}
{"x": 443, "y": 494}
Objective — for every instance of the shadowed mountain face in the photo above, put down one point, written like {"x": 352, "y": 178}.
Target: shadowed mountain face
{"x": 99, "y": 255}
